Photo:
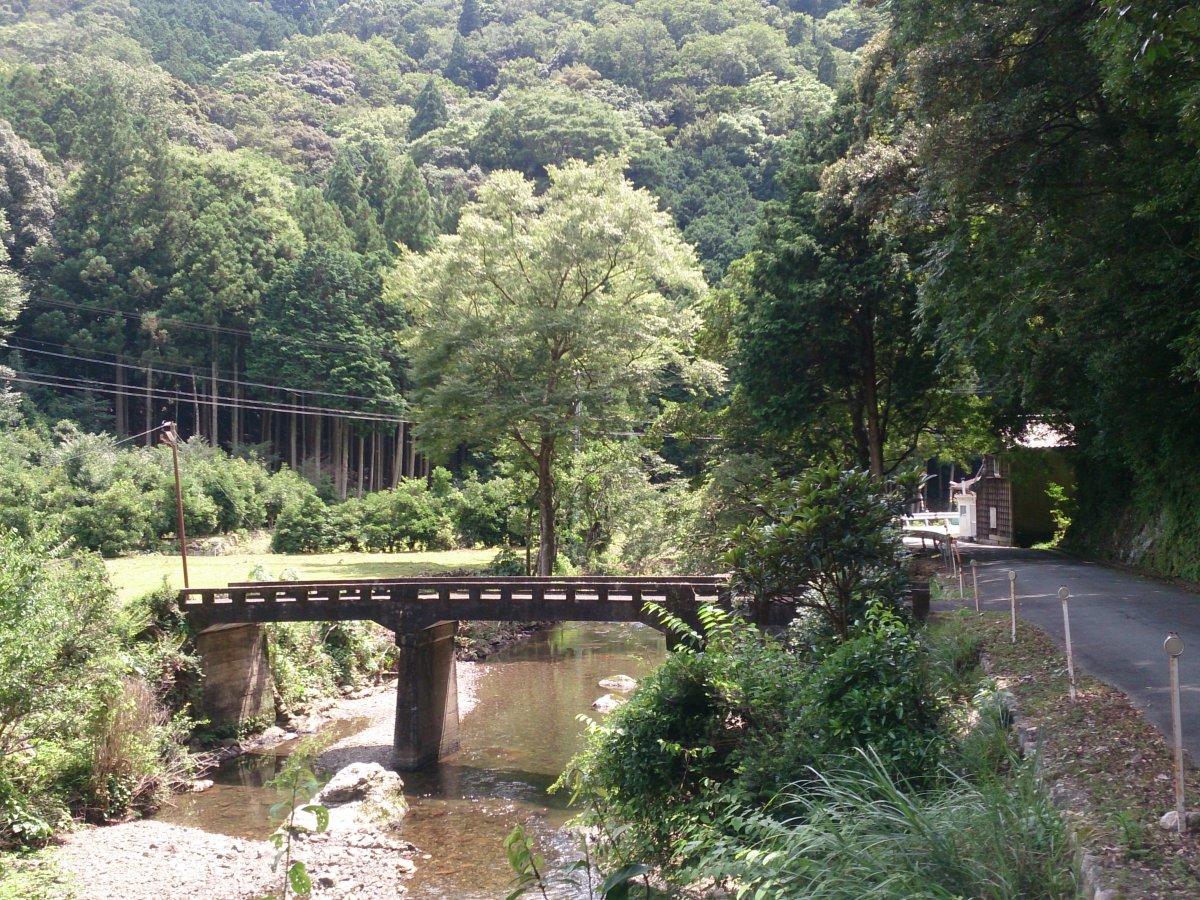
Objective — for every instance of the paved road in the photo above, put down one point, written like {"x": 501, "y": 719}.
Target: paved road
{"x": 1118, "y": 624}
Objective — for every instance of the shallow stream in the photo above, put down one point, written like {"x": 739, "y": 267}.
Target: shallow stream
{"x": 515, "y": 741}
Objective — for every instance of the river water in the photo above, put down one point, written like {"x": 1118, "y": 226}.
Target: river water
{"x": 515, "y": 742}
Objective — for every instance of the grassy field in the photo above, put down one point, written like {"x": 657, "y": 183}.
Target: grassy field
{"x": 136, "y": 575}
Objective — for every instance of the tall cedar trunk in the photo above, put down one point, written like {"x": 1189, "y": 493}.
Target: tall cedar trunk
{"x": 292, "y": 436}
{"x": 871, "y": 400}
{"x": 548, "y": 547}
{"x": 398, "y": 456}
{"x": 149, "y": 420}
{"x": 335, "y": 456}
{"x": 119, "y": 408}
{"x": 198, "y": 424}
{"x": 376, "y": 468}
{"x": 235, "y": 412}
{"x": 317, "y": 420}
{"x": 361, "y": 445}
{"x": 215, "y": 435}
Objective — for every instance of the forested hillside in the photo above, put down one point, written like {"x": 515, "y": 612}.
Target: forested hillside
{"x": 203, "y": 198}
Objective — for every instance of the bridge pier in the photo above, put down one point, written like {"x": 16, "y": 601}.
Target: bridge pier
{"x": 426, "y": 696}
{"x": 237, "y": 674}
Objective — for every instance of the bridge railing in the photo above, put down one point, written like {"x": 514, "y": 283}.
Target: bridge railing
{"x": 613, "y": 598}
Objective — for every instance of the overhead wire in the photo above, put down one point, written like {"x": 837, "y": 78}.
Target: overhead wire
{"x": 111, "y": 388}
{"x": 165, "y": 371}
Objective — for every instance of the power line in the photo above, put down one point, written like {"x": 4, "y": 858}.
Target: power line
{"x": 183, "y": 323}
{"x": 192, "y": 375}
{"x": 107, "y": 387}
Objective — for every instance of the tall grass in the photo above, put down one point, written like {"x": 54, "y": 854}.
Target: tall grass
{"x": 857, "y": 833}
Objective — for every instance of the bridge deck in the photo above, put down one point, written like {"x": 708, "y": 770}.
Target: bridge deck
{"x": 415, "y": 602}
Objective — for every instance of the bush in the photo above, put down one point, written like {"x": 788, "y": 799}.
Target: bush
{"x": 826, "y": 541}
{"x": 877, "y": 690}
{"x": 303, "y": 527}
{"x": 314, "y": 659}
{"x": 858, "y": 832}
{"x": 118, "y": 519}
{"x": 745, "y": 717}
{"x": 82, "y": 725}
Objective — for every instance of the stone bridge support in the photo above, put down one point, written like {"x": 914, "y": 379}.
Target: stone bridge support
{"x": 237, "y": 674}
{"x": 426, "y": 696}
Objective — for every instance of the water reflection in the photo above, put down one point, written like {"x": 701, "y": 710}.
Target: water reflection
{"x": 514, "y": 744}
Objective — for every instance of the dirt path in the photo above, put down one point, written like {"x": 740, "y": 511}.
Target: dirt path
{"x": 149, "y": 860}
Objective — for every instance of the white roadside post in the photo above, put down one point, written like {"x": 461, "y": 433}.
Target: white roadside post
{"x": 962, "y": 594}
{"x": 1064, "y": 595}
{"x": 1012, "y": 597}
{"x": 1173, "y": 646}
{"x": 975, "y": 581}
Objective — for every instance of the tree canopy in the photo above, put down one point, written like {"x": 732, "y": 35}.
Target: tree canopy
{"x": 548, "y": 316}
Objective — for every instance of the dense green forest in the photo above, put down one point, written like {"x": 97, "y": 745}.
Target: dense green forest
{"x": 646, "y": 286}
{"x": 922, "y": 226}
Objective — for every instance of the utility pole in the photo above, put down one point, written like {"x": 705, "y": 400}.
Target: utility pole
{"x": 171, "y": 438}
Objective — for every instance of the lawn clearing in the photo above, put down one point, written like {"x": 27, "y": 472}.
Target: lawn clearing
{"x": 134, "y": 576}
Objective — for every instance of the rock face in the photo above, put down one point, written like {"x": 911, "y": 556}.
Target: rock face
{"x": 622, "y": 683}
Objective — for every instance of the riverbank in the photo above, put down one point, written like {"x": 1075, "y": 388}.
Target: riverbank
{"x": 149, "y": 859}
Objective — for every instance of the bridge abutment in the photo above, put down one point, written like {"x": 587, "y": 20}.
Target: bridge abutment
{"x": 426, "y": 696}
{"x": 237, "y": 674}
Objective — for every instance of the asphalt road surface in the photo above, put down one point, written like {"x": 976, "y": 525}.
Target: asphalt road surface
{"x": 1118, "y": 624}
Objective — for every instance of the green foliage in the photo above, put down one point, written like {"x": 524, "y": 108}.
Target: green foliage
{"x": 859, "y": 832}
{"x": 85, "y": 729}
{"x": 740, "y": 720}
{"x": 303, "y": 527}
{"x": 296, "y": 780}
{"x": 526, "y": 863}
{"x": 827, "y": 541}
{"x": 581, "y": 294}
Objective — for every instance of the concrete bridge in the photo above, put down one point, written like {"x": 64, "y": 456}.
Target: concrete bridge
{"x": 423, "y": 613}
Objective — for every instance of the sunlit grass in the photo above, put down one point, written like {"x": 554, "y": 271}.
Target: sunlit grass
{"x": 134, "y": 576}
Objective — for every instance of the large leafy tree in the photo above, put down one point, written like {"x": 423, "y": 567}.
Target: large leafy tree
{"x": 831, "y": 359}
{"x": 1058, "y": 146}
{"x": 547, "y": 316}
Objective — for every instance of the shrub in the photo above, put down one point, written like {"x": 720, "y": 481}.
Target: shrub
{"x": 118, "y": 519}
{"x": 483, "y": 511}
{"x": 826, "y": 541}
{"x": 81, "y": 725}
{"x": 877, "y": 690}
{"x": 743, "y": 718}
{"x": 409, "y": 516}
{"x": 303, "y": 527}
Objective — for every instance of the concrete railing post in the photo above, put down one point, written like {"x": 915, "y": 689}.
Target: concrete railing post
{"x": 426, "y": 696}
{"x": 1064, "y": 595}
{"x": 1012, "y": 596}
{"x": 1173, "y": 646}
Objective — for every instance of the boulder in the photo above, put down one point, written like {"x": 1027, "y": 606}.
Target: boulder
{"x": 1170, "y": 821}
{"x": 359, "y": 781}
{"x": 607, "y": 703}
{"x": 622, "y": 683}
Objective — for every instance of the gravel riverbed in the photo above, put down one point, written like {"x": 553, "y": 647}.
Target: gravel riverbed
{"x": 150, "y": 860}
